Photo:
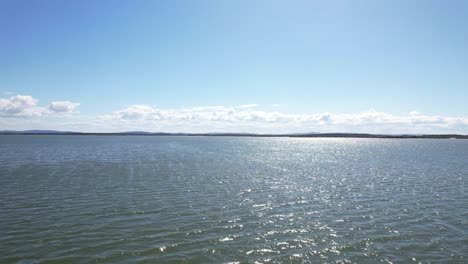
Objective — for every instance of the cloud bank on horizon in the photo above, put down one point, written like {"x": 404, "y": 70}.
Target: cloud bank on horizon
{"x": 22, "y": 112}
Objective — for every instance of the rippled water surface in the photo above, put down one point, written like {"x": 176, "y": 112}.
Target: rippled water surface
{"x": 129, "y": 199}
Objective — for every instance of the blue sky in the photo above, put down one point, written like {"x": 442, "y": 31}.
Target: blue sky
{"x": 87, "y": 62}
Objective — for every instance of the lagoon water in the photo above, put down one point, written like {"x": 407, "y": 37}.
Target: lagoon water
{"x": 144, "y": 199}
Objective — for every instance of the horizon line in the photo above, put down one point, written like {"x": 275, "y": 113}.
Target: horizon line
{"x": 236, "y": 134}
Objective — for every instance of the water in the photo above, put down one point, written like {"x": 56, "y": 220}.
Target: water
{"x": 122, "y": 199}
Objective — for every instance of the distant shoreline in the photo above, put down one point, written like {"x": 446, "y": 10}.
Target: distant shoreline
{"x": 311, "y": 135}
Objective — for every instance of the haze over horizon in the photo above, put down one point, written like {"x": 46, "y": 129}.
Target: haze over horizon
{"x": 242, "y": 66}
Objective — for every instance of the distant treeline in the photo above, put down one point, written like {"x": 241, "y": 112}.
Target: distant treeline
{"x": 303, "y": 135}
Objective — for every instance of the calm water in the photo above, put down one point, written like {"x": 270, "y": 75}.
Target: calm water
{"x": 86, "y": 199}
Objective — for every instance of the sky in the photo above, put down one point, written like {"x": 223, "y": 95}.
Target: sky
{"x": 234, "y": 66}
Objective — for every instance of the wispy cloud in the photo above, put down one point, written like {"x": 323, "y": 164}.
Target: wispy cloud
{"x": 249, "y": 106}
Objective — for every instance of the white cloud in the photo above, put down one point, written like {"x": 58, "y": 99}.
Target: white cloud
{"x": 20, "y": 105}
{"x": 235, "y": 119}
{"x": 26, "y": 105}
{"x": 244, "y": 118}
{"x": 248, "y": 106}
{"x": 63, "y": 106}
{"x": 137, "y": 112}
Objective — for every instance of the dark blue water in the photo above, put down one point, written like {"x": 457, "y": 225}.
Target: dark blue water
{"x": 130, "y": 199}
